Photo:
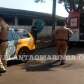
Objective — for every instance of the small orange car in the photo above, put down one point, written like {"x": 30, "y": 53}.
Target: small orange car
{"x": 20, "y": 43}
{"x": 25, "y": 45}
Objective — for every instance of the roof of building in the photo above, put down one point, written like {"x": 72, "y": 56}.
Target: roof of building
{"x": 7, "y": 12}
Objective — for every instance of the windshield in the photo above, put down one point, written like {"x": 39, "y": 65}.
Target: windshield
{"x": 23, "y": 34}
{"x": 16, "y": 35}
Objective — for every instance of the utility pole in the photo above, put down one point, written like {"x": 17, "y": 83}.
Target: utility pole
{"x": 54, "y": 15}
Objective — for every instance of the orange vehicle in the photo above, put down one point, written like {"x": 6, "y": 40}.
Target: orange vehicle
{"x": 25, "y": 44}
{"x": 20, "y": 43}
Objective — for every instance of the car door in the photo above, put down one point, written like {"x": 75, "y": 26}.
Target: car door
{"x": 11, "y": 50}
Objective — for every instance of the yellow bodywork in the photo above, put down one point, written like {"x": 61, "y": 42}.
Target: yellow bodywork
{"x": 26, "y": 42}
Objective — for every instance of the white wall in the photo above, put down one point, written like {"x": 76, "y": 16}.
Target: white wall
{"x": 47, "y": 30}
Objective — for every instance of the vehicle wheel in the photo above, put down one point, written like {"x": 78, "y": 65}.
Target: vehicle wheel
{"x": 24, "y": 54}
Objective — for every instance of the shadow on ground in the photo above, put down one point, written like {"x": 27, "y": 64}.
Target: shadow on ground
{"x": 41, "y": 67}
{"x": 75, "y": 50}
{"x": 13, "y": 62}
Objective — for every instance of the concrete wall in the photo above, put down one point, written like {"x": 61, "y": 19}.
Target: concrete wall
{"x": 46, "y": 32}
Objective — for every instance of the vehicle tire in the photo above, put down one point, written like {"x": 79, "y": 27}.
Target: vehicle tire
{"x": 24, "y": 54}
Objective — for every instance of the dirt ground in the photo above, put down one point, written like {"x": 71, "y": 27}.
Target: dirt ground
{"x": 70, "y": 73}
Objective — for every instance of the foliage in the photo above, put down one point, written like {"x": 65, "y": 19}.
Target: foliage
{"x": 72, "y": 4}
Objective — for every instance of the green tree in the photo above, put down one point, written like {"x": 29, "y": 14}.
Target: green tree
{"x": 72, "y": 4}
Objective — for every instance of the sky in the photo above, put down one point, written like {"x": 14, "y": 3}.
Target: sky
{"x": 30, "y": 5}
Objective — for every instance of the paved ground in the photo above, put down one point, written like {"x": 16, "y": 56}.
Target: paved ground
{"x": 70, "y": 73}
